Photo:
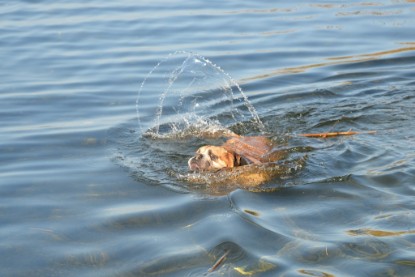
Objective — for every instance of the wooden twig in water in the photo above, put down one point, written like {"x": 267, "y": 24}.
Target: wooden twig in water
{"x": 218, "y": 262}
{"x": 335, "y": 134}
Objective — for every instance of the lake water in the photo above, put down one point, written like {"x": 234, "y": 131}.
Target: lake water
{"x": 84, "y": 193}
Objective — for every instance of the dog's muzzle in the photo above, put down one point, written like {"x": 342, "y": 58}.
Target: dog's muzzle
{"x": 193, "y": 164}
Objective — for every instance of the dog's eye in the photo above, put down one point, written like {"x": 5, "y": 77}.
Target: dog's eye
{"x": 212, "y": 156}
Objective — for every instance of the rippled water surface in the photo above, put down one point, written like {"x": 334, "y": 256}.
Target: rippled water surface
{"x": 84, "y": 193}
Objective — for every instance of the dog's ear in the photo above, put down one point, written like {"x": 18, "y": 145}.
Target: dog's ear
{"x": 230, "y": 159}
{"x": 233, "y": 160}
{"x": 237, "y": 161}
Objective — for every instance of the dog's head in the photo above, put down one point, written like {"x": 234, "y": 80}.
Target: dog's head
{"x": 213, "y": 157}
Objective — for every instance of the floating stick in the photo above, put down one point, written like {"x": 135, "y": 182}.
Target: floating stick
{"x": 218, "y": 262}
{"x": 335, "y": 134}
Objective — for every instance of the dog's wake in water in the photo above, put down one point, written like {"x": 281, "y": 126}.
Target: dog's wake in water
{"x": 162, "y": 159}
{"x": 267, "y": 162}
{"x": 250, "y": 177}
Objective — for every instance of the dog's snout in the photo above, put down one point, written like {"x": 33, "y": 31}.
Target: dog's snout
{"x": 193, "y": 165}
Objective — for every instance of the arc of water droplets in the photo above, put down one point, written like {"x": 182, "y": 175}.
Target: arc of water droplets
{"x": 175, "y": 76}
{"x": 247, "y": 103}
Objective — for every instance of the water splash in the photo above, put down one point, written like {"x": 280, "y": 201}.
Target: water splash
{"x": 184, "y": 102}
{"x": 186, "y": 93}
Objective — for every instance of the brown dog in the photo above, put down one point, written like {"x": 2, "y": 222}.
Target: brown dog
{"x": 236, "y": 151}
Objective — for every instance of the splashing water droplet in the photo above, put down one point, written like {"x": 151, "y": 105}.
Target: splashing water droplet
{"x": 186, "y": 91}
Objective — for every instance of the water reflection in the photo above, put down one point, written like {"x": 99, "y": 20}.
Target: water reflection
{"x": 332, "y": 61}
{"x": 379, "y": 233}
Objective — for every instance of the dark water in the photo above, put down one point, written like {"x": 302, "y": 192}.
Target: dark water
{"x": 83, "y": 194}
